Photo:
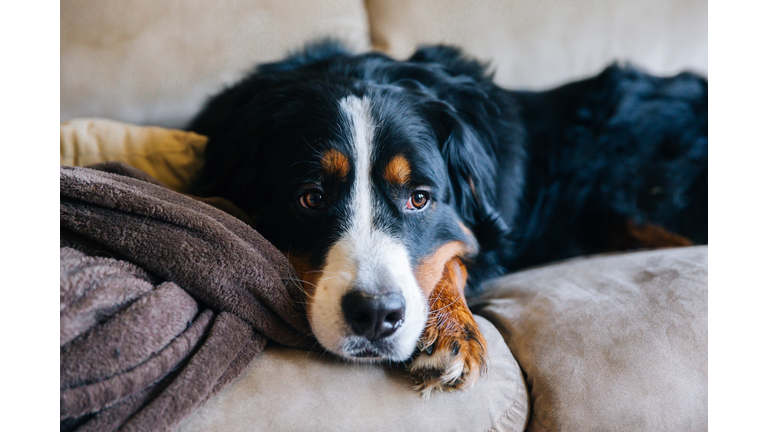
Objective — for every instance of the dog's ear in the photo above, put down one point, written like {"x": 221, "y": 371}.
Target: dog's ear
{"x": 471, "y": 164}
{"x": 462, "y": 112}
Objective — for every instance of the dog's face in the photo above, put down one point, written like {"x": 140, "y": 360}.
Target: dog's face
{"x": 363, "y": 208}
{"x": 381, "y": 199}
{"x": 356, "y": 182}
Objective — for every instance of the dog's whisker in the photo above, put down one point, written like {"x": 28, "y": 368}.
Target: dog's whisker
{"x": 317, "y": 153}
{"x": 306, "y": 282}
{"x": 329, "y": 277}
{"x": 446, "y": 306}
{"x": 300, "y": 162}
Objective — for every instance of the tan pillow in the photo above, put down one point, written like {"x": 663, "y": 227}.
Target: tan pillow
{"x": 291, "y": 390}
{"x": 541, "y": 43}
{"x": 615, "y": 343}
{"x": 173, "y": 157}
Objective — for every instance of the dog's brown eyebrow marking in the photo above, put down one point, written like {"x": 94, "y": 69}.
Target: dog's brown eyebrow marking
{"x": 334, "y": 164}
{"x": 398, "y": 171}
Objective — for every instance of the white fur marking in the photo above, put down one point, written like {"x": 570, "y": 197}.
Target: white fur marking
{"x": 364, "y": 255}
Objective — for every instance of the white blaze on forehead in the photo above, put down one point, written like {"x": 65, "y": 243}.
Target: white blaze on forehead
{"x": 364, "y": 257}
{"x": 358, "y": 112}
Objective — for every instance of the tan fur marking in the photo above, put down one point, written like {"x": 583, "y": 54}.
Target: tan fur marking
{"x": 654, "y": 236}
{"x": 454, "y": 352}
{"x": 472, "y": 186}
{"x": 398, "y": 171}
{"x": 307, "y": 275}
{"x": 466, "y": 230}
{"x": 334, "y": 164}
{"x": 431, "y": 269}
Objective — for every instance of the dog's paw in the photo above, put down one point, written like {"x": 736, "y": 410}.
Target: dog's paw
{"x": 452, "y": 354}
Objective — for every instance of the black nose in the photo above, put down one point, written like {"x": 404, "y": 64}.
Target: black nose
{"x": 373, "y": 316}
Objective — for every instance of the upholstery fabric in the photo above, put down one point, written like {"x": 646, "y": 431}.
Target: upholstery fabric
{"x": 155, "y": 62}
{"x": 610, "y": 343}
{"x": 173, "y": 157}
{"x": 535, "y": 44}
{"x": 291, "y": 390}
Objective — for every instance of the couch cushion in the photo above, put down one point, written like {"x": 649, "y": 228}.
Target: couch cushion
{"x": 537, "y": 44}
{"x": 291, "y": 390}
{"x": 610, "y": 343}
{"x": 154, "y": 62}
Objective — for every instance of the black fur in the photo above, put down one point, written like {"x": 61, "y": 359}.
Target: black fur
{"x": 537, "y": 176}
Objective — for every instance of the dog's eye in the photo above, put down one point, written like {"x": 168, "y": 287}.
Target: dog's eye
{"x": 312, "y": 200}
{"x": 417, "y": 201}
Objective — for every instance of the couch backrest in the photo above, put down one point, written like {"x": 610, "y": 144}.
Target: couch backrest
{"x": 537, "y": 44}
{"x": 155, "y": 62}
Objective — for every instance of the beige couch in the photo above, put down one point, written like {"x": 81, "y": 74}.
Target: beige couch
{"x": 154, "y": 62}
{"x": 606, "y": 343}
{"x": 616, "y": 343}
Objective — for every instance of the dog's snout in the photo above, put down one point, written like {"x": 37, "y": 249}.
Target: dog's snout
{"x": 373, "y": 316}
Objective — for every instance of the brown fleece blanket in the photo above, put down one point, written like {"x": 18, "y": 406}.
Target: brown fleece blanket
{"x": 164, "y": 301}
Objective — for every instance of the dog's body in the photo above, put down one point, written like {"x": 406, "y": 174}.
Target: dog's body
{"x": 393, "y": 186}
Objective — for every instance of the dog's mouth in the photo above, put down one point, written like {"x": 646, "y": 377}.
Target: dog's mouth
{"x": 360, "y": 349}
{"x": 366, "y": 353}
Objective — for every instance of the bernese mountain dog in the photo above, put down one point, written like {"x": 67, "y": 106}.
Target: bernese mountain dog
{"x": 395, "y": 188}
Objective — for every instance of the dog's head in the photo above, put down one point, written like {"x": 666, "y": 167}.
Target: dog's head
{"x": 368, "y": 176}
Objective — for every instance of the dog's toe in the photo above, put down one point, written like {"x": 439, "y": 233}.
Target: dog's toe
{"x": 449, "y": 359}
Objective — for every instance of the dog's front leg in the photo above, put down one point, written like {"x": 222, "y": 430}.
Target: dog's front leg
{"x": 452, "y": 352}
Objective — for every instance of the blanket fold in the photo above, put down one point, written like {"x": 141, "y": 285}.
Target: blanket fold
{"x": 164, "y": 301}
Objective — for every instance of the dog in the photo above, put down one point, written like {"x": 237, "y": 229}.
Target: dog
{"x": 395, "y": 188}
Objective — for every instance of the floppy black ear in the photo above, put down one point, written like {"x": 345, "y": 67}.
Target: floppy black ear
{"x": 471, "y": 164}
{"x": 467, "y": 116}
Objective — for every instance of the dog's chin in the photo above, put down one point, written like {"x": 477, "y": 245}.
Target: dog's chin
{"x": 363, "y": 350}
